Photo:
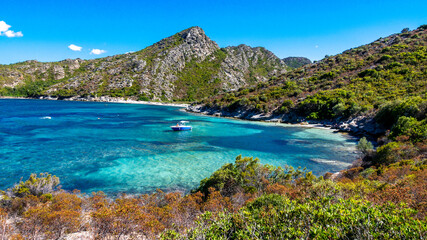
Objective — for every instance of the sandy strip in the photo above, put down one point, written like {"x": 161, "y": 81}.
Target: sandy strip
{"x": 149, "y": 103}
{"x": 110, "y": 100}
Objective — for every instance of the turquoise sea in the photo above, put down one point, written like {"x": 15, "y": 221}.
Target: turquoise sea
{"x": 130, "y": 148}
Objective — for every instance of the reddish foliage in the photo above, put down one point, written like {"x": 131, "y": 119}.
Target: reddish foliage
{"x": 352, "y": 173}
{"x": 52, "y": 219}
{"x": 216, "y": 202}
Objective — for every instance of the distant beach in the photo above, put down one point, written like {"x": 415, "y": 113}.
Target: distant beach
{"x": 105, "y": 99}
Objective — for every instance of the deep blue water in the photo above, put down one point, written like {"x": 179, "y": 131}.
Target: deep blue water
{"x": 130, "y": 148}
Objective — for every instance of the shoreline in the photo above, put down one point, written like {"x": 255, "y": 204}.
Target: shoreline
{"x": 273, "y": 123}
{"x": 186, "y": 108}
{"x": 104, "y": 100}
{"x": 358, "y": 126}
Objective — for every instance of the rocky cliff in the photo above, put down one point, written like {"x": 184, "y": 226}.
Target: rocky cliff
{"x": 186, "y": 66}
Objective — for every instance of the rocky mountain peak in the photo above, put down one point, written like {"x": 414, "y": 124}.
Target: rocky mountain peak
{"x": 185, "y": 66}
{"x": 185, "y": 45}
{"x": 195, "y": 35}
{"x": 197, "y": 42}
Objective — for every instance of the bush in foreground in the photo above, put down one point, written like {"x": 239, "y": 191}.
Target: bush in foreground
{"x": 276, "y": 217}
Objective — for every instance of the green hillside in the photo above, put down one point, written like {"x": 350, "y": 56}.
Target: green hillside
{"x": 356, "y": 82}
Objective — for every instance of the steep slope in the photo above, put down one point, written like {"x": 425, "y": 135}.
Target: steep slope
{"x": 185, "y": 66}
{"x": 296, "y": 62}
{"x": 356, "y": 83}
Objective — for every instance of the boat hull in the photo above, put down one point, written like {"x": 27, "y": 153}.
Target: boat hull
{"x": 181, "y": 128}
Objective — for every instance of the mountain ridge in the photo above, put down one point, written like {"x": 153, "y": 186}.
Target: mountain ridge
{"x": 186, "y": 66}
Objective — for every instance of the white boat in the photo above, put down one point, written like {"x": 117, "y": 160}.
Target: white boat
{"x": 181, "y": 126}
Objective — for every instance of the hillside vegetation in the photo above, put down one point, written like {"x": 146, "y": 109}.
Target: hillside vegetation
{"x": 360, "y": 81}
{"x": 296, "y": 62}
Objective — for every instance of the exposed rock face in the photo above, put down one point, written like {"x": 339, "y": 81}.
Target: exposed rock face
{"x": 361, "y": 125}
{"x": 296, "y": 62}
{"x": 243, "y": 60}
{"x": 186, "y": 66}
{"x": 73, "y": 64}
{"x": 196, "y": 44}
{"x": 58, "y": 72}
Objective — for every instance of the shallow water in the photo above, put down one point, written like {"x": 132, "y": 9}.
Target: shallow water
{"x": 130, "y": 148}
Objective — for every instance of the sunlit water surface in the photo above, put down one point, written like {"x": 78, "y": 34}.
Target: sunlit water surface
{"x": 130, "y": 148}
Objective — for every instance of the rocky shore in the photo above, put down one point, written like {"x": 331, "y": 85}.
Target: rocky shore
{"x": 358, "y": 126}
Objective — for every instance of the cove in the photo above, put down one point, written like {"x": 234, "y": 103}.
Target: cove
{"x": 129, "y": 148}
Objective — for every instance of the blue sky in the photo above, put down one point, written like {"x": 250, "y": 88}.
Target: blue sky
{"x": 287, "y": 28}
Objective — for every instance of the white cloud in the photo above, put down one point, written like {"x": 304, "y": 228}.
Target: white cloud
{"x": 317, "y": 46}
{"x": 74, "y": 47}
{"x": 3, "y": 26}
{"x": 97, "y": 51}
{"x": 4, "y": 31}
{"x": 10, "y": 33}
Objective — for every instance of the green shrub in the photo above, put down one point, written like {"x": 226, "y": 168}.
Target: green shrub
{"x": 368, "y": 72}
{"x": 390, "y": 112}
{"x": 286, "y": 105}
{"x": 411, "y": 127}
{"x": 364, "y": 146}
{"x": 384, "y": 57}
{"x": 276, "y": 217}
{"x": 422, "y": 27}
{"x": 393, "y": 152}
{"x": 37, "y": 186}
{"x": 249, "y": 176}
